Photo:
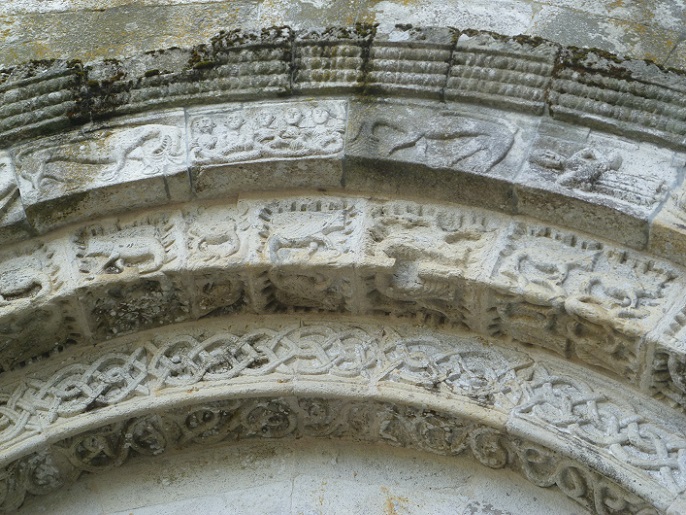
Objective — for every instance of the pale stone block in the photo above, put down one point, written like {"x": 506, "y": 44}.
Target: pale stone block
{"x": 324, "y": 232}
{"x": 134, "y": 163}
{"x": 38, "y": 316}
{"x": 595, "y": 183}
{"x": 513, "y": 73}
{"x": 668, "y": 228}
{"x": 410, "y": 61}
{"x": 331, "y": 60}
{"x": 129, "y": 273}
{"x": 577, "y": 297}
{"x": 265, "y": 147}
{"x": 13, "y": 223}
{"x": 216, "y": 242}
{"x": 426, "y": 260}
{"x": 459, "y": 154}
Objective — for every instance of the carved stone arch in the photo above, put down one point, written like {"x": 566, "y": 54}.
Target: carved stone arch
{"x": 348, "y": 233}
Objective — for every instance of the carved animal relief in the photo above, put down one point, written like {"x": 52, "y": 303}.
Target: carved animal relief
{"x": 140, "y": 249}
{"x": 445, "y": 139}
{"x": 104, "y": 157}
{"x": 594, "y": 168}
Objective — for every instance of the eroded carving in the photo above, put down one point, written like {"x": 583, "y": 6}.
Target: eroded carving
{"x": 445, "y": 139}
{"x": 597, "y": 168}
{"x": 427, "y": 253}
{"x": 321, "y": 233}
{"x": 141, "y": 248}
{"x": 573, "y": 295}
{"x": 104, "y": 157}
{"x": 291, "y": 130}
{"x": 9, "y": 191}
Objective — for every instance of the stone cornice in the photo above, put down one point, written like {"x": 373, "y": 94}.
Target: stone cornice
{"x": 586, "y": 87}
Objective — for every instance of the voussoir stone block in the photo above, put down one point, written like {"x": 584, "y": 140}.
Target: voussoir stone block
{"x": 668, "y": 228}
{"x": 216, "y": 246}
{"x": 325, "y": 232}
{"x": 331, "y": 60}
{"x": 427, "y": 261}
{"x": 135, "y": 162}
{"x": 268, "y": 146}
{"x": 601, "y": 91}
{"x": 13, "y": 223}
{"x": 580, "y": 297}
{"x": 411, "y": 61}
{"x": 126, "y": 278}
{"x": 458, "y": 154}
{"x": 508, "y": 72}
{"x": 594, "y": 182}
{"x": 39, "y": 313}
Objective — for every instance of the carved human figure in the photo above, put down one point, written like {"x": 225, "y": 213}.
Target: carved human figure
{"x": 322, "y": 138}
{"x": 204, "y": 141}
{"x": 583, "y": 169}
{"x": 290, "y": 137}
{"x": 235, "y": 138}
{"x": 265, "y": 133}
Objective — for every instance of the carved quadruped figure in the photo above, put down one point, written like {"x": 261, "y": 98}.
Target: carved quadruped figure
{"x": 138, "y": 247}
{"x": 21, "y": 280}
{"x": 610, "y": 302}
{"x": 295, "y": 236}
{"x": 540, "y": 271}
{"x": 448, "y": 139}
{"x": 150, "y": 149}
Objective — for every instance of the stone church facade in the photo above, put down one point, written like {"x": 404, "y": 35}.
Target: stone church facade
{"x": 389, "y": 235}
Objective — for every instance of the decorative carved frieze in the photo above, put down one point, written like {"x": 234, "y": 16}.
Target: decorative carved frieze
{"x": 13, "y": 223}
{"x": 331, "y": 60}
{"x": 577, "y": 296}
{"x": 96, "y": 170}
{"x": 539, "y": 397}
{"x": 411, "y": 61}
{"x": 229, "y": 147}
{"x": 611, "y": 187}
{"x": 455, "y": 266}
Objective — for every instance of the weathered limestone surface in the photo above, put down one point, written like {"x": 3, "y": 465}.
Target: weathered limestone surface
{"x": 94, "y": 29}
{"x": 437, "y": 238}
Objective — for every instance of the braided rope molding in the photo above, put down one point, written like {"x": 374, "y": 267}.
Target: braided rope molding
{"x": 214, "y": 381}
{"x": 618, "y": 311}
